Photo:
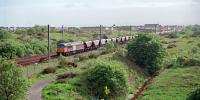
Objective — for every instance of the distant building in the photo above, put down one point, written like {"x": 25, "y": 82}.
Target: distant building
{"x": 156, "y": 27}
{"x": 4, "y": 28}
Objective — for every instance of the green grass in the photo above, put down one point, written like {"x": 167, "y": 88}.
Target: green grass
{"x": 173, "y": 84}
{"x": 183, "y": 47}
{"x": 76, "y": 88}
{"x": 35, "y": 69}
{"x": 177, "y": 82}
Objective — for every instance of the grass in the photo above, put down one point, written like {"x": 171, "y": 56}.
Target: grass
{"x": 173, "y": 84}
{"x": 35, "y": 69}
{"x": 183, "y": 47}
{"x": 76, "y": 88}
{"x": 33, "y": 72}
{"x": 177, "y": 82}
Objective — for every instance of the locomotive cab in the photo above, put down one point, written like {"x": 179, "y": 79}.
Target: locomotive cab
{"x": 62, "y": 49}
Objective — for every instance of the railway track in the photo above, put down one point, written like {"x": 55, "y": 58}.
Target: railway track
{"x": 24, "y": 61}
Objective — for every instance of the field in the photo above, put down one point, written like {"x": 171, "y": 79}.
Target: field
{"x": 33, "y": 41}
{"x": 173, "y": 84}
{"x": 182, "y": 77}
{"x": 76, "y": 88}
{"x": 178, "y": 77}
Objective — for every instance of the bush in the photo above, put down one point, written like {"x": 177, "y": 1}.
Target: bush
{"x": 49, "y": 70}
{"x": 66, "y": 75}
{"x": 174, "y": 35}
{"x": 198, "y": 45}
{"x": 104, "y": 75}
{"x": 164, "y": 42}
{"x": 171, "y": 46}
{"x": 4, "y": 35}
{"x": 194, "y": 95}
{"x": 192, "y": 62}
{"x": 196, "y": 33}
{"x": 62, "y": 61}
{"x": 83, "y": 57}
{"x": 13, "y": 85}
{"x": 120, "y": 54}
{"x": 93, "y": 54}
{"x": 110, "y": 45}
{"x": 147, "y": 51}
{"x": 11, "y": 49}
{"x": 184, "y": 62}
{"x": 72, "y": 64}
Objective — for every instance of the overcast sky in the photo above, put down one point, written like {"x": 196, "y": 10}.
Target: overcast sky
{"x": 95, "y": 12}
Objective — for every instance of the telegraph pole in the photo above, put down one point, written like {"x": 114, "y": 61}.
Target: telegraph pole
{"x": 62, "y": 33}
{"x": 48, "y": 45}
{"x": 100, "y": 35}
{"x": 130, "y": 30}
{"x": 155, "y": 27}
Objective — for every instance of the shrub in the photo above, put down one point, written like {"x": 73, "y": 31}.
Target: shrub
{"x": 66, "y": 75}
{"x": 147, "y": 51}
{"x": 5, "y": 35}
{"x": 11, "y": 49}
{"x": 164, "y": 42}
{"x": 196, "y": 33}
{"x": 190, "y": 42}
{"x": 13, "y": 85}
{"x": 182, "y": 32}
{"x": 173, "y": 35}
{"x": 83, "y": 57}
{"x": 72, "y": 64}
{"x": 184, "y": 62}
{"x": 110, "y": 45}
{"x": 120, "y": 54}
{"x": 194, "y": 95}
{"x": 171, "y": 46}
{"x": 192, "y": 62}
{"x": 104, "y": 75}
{"x": 62, "y": 61}
{"x": 198, "y": 45}
{"x": 93, "y": 54}
{"x": 49, "y": 70}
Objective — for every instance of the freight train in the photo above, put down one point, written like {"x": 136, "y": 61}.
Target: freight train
{"x": 71, "y": 48}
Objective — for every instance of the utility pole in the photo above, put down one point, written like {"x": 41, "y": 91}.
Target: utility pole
{"x": 100, "y": 35}
{"x": 62, "y": 33}
{"x": 130, "y": 30}
{"x": 48, "y": 45}
{"x": 155, "y": 27}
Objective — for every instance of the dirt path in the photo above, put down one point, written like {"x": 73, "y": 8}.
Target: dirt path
{"x": 36, "y": 89}
{"x": 142, "y": 88}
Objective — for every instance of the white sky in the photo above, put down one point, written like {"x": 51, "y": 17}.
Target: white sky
{"x": 95, "y": 12}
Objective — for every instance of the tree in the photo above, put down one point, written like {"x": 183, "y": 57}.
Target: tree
{"x": 12, "y": 83}
{"x": 103, "y": 76}
{"x": 11, "y": 49}
{"x": 4, "y": 35}
{"x": 174, "y": 35}
{"x": 195, "y": 95}
{"x": 147, "y": 51}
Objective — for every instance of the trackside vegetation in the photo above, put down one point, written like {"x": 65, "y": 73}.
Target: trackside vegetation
{"x": 195, "y": 95}
{"x": 181, "y": 78}
{"x": 97, "y": 78}
{"x": 33, "y": 40}
{"x": 112, "y": 72}
{"x": 13, "y": 86}
{"x": 147, "y": 51}
{"x": 106, "y": 76}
